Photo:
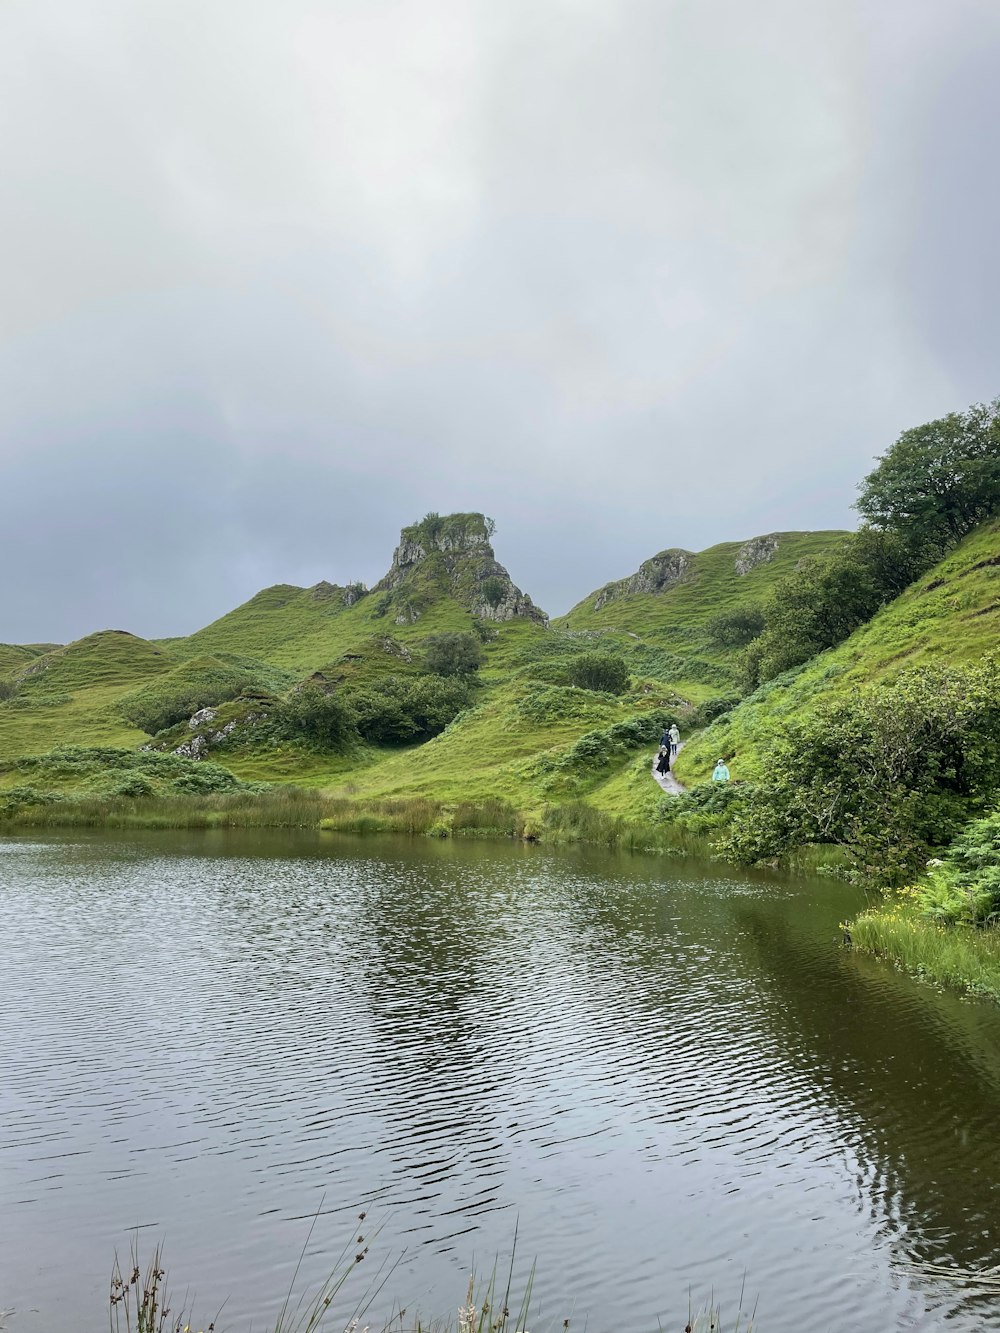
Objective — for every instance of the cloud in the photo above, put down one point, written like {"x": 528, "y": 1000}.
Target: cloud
{"x": 279, "y": 278}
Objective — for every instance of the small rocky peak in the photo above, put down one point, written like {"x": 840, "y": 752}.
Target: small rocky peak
{"x": 448, "y": 533}
{"x": 654, "y": 575}
{"x": 757, "y": 551}
{"x": 450, "y": 555}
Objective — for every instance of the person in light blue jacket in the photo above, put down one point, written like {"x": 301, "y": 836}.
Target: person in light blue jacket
{"x": 721, "y": 772}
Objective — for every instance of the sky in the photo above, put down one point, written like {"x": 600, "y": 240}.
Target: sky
{"x": 281, "y": 276}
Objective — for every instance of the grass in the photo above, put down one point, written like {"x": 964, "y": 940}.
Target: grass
{"x": 952, "y": 614}
{"x": 672, "y": 623}
{"x": 962, "y": 957}
{"x": 140, "y": 1300}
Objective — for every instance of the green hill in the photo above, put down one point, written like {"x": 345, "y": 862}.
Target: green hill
{"x": 951, "y": 614}
{"x": 67, "y": 695}
{"x": 672, "y": 599}
{"x": 444, "y": 577}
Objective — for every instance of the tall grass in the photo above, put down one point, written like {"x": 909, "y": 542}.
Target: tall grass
{"x": 963, "y": 957}
{"x": 140, "y": 1303}
{"x": 291, "y": 807}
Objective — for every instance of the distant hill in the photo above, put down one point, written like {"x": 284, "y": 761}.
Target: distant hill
{"x": 671, "y": 600}
{"x": 951, "y": 614}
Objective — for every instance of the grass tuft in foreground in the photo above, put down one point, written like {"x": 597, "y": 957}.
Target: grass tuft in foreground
{"x": 140, "y": 1302}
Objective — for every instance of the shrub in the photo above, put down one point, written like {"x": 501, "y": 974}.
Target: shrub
{"x": 825, "y": 600}
{"x": 965, "y": 886}
{"x": 204, "y": 778}
{"x": 8, "y": 688}
{"x": 735, "y": 629}
{"x": 600, "y": 671}
{"x": 323, "y": 718}
{"x": 452, "y": 654}
{"x": 888, "y": 775}
{"x": 176, "y": 696}
{"x": 393, "y": 710}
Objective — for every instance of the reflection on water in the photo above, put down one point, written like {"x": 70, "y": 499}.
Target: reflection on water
{"x": 663, "y": 1074}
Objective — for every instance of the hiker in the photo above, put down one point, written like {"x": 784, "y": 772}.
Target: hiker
{"x": 675, "y": 739}
{"x": 663, "y": 760}
{"x": 665, "y": 739}
{"x": 721, "y": 772}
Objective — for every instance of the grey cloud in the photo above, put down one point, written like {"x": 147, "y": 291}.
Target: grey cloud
{"x": 281, "y": 277}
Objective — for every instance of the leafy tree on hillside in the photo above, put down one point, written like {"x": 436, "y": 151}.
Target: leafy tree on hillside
{"x": 939, "y": 480}
{"x": 600, "y": 671}
{"x": 737, "y": 628}
{"x": 827, "y": 599}
{"x": 452, "y": 654}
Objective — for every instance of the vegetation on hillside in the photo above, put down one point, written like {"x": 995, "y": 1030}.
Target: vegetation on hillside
{"x": 869, "y": 722}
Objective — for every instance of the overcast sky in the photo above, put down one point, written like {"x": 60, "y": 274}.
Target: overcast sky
{"x": 280, "y": 276}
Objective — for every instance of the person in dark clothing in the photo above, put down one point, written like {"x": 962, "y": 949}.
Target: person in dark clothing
{"x": 665, "y": 738}
{"x": 663, "y": 759}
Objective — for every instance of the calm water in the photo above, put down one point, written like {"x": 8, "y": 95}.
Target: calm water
{"x": 664, "y": 1074}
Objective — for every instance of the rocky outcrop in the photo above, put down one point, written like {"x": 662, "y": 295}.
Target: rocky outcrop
{"x": 451, "y": 556}
{"x": 757, "y": 551}
{"x": 654, "y": 575}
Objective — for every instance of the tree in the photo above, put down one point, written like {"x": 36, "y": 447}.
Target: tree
{"x": 939, "y": 480}
{"x": 737, "y": 628}
{"x": 452, "y": 654}
{"x": 323, "y": 718}
{"x": 600, "y": 671}
{"x": 826, "y": 599}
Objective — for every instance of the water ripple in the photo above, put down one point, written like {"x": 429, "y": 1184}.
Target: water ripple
{"x": 666, "y": 1076}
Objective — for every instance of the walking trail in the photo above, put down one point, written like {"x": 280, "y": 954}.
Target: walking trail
{"x": 667, "y": 781}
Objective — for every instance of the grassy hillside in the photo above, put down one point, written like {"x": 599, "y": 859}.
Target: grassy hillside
{"x": 950, "y": 615}
{"x": 68, "y": 695}
{"x": 671, "y": 599}
{"x": 529, "y": 737}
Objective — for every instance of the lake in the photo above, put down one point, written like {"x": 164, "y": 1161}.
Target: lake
{"x": 666, "y": 1075}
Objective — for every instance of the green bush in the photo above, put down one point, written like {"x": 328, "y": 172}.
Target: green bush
{"x": 594, "y": 749}
{"x": 600, "y": 671}
{"x": 204, "y": 778}
{"x": 825, "y": 600}
{"x": 176, "y": 696}
{"x": 735, "y": 629}
{"x": 319, "y": 716}
{"x": 889, "y": 775}
{"x": 452, "y": 654}
{"x": 394, "y": 710}
{"x": 964, "y": 887}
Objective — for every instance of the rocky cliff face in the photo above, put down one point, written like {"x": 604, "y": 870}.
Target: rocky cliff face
{"x": 450, "y": 556}
{"x": 653, "y": 575}
{"x": 757, "y": 551}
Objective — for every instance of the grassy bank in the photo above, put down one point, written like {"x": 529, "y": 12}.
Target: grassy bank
{"x": 298, "y": 808}
{"x": 962, "y": 957}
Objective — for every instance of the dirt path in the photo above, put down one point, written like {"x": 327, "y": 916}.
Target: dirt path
{"x": 668, "y": 782}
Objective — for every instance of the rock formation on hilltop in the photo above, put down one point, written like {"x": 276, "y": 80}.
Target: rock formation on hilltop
{"x": 653, "y": 575}
{"x": 450, "y": 556}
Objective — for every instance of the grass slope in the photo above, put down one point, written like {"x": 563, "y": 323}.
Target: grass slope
{"x": 672, "y": 622}
{"x": 67, "y": 696}
{"x": 952, "y": 614}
